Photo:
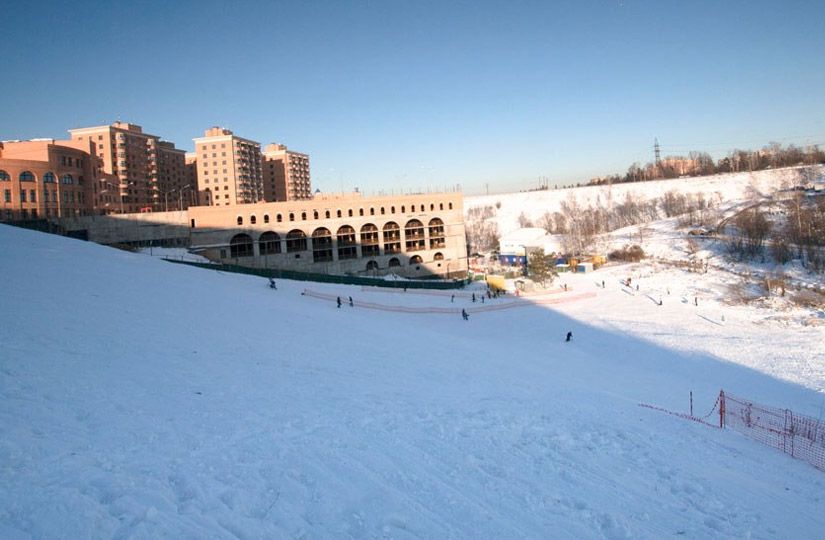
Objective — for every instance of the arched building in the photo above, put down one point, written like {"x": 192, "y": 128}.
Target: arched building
{"x": 408, "y": 235}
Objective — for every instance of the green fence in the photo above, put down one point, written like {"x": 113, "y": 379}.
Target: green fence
{"x": 326, "y": 278}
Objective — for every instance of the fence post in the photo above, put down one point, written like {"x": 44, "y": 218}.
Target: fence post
{"x": 691, "y": 402}
{"x": 721, "y": 408}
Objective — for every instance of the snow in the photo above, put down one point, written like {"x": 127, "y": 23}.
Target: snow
{"x": 145, "y": 399}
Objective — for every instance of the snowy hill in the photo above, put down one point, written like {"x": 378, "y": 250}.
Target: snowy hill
{"x": 144, "y": 399}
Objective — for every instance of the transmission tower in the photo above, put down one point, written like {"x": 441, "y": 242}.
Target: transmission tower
{"x": 656, "y": 154}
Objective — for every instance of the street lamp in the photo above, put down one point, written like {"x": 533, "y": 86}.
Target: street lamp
{"x": 180, "y": 196}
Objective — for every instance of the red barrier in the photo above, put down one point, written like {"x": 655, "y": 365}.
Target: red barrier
{"x": 802, "y": 437}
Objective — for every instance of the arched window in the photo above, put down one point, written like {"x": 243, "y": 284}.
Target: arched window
{"x": 437, "y": 238}
{"x": 338, "y": 212}
{"x": 349, "y": 212}
{"x": 321, "y": 245}
{"x": 315, "y": 214}
{"x": 382, "y": 211}
{"x": 240, "y": 246}
{"x": 266, "y": 218}
{"x": 361, "y": 212}
{"x": 438, "y": 256}
{"x": 296, "y": 240}
{"x": 347, "y": 248}
{"x": 372, "y": 211}
{"x": 240, "y": 220}
{"x": 372, "y": 265}
{"x": 369, "y": 241}
{"x": 432, "y": 207}
{"x": 394, "y": 262}
{"x": 414, "y": 235}
{"x": 67, "y": 179}
{"x": 253, "y": 220}
{"x": 392, "y": 209}
{"x": 416, "y": 259}
{"x": 403, "y": 209}
{"x": 269, "y": 243}
{"x": 4, "y": 176}
{"x": 422, "y": 207}
{"x": 441, "y": 206}
{"x": 392, "y": 238}
{"x": 291, "y": 216}
{"x": 279, "y": 218}
{"x": 450, "y": 206}
{"x": 27, "y": 176}
{"x": 49, "y": 178}
{"x": 326, "y": 214}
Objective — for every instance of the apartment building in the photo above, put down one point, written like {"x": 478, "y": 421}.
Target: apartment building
{"x": 147, "y": 170}
{"x": 285, "y": 174}
{"x": 228, "y": 168}
{"x": 45, "y": 178}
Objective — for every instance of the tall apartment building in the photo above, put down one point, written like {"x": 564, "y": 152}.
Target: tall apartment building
{"x": 148, "y": 171}
{"x": 285, "y": 174}
{"x": 228, "y": 168}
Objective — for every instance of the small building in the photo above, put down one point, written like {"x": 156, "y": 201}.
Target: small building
{"x": 584, "y": 267}
{"x": 513, "y": 246}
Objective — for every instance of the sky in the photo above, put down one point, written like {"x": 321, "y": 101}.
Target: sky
{"x": 396, "y": 96}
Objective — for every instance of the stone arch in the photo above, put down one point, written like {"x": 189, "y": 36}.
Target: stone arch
{"x": 269, "y": 243}
{"x": 347, "y": 246}
{"x": 438, "y": 256}
{"x": 436, "y": 229}
{"x": 416, "y": 259}
{"x": 370, "y": 245}
{"x": 28, "y": 176}
{"x": 394, "y": 262}
{"x": 49, "y": 178}
{"x": 392, "y": 237}
{"x": 241, "y": 246}
{"x": 296, "y": 240}
{"x": 321, "y": 245}
{"x": 414, "y": 235}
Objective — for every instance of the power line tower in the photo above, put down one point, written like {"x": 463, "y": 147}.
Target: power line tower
{"x": 656, "y": 153}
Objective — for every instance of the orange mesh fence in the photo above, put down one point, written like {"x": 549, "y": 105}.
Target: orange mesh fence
{"x": 496, "y": 305}
{"x": 803, "y": 437}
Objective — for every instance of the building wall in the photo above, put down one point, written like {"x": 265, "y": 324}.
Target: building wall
{"x": 268, "y": 235}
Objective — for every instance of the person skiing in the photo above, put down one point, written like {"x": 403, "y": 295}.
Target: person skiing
{"x": 569, "y": 336}
{"x": 602, "y": 284}
{"x": 464, "y": 315}
{"x": 272, "y": 284}
{"x": 339, "y": 302}
{"x": 452, "y": 298}
{"x": 474, "y": 297}
{"x": 350, "y": 302}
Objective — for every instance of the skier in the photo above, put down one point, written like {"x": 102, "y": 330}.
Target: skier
{"x": 452, "y": 298}
{"x": 482, "y": 298}
{"x": 602, "y": 284}
{"x": 474, "y": 297}
{"x": 272, "y": 284}
{"x": 350, "y": 302}
{"x": 569, "y": 336}
{"x": 339, "y": 302}
{"x": 464, "y": 315}
{"x": 696, "y": 301}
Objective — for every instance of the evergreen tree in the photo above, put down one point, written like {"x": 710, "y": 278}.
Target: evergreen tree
{"x": 541, "y": 267}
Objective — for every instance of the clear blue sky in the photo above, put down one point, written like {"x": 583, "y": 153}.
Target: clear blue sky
{"x": 391, "y": 95}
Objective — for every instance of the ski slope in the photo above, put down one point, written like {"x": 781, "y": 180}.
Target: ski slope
{"x": 144, "y": 399}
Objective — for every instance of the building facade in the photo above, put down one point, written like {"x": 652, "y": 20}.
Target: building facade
{"x": 145, "y": 168}
{"x": 228, "y": 168}
{"x": 285, "y": 174}
{"x": 47, "y": 178}
{"x": 415, "y": 236}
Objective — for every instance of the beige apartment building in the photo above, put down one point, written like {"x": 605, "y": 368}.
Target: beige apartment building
{"x": 228, "y": 169}
{"x": 46, "y": 178}
{"x": 147, "y": 170}
{"x": 285, "y": 174}
{"x": 411, "y": 235}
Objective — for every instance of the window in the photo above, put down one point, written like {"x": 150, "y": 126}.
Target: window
{"x": 22, "y": 195}
{"x": 360, "y": 211}
{"x": 346, "y": 243}
{"x": 303, "y": 216}
{"x": 253, "y": 220}
{"x": 394, "y": 262}
{"x": 26, "y": 176}
{"x": 321, "y": 245}
{"x": 296, "y": 240}
{"x": 369, "y": 241}
{"x": 6, "y": 195}
{"x": 414, "y": 235}
{"x": 241, "y": 246}
{"x": 326, "y": 214}
{"x": 291, "y": 216}
{"x": 338, "y": 213}
{"x": 278, "y": 218}
{"x": 450, "y": 206}
{"x": 436, "y": 229}
{"x": 269, "y": 243}
{"x": 32, "y": 196}
{"x": 4, "y": 176}
{"x": 392, "y": 238}
{"x": 67, "y": 179}
{"x": 315, "y": 214}
{"x": 438, "y": 256}
{"x": 403, "y": 209}
{"x": 240, "y": 220}
{"x": 266, "y": 218}
{"x": 349, "y": 212}
{"x": 416, "y": 259}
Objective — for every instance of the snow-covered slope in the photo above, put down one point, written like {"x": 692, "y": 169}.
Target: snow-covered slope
{"x": 726, "y": 188}
{"x": 144, "y": 399}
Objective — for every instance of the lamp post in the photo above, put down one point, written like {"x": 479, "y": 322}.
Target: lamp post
{"x": 522, "y": 246}
{"x": 180, "y": 196}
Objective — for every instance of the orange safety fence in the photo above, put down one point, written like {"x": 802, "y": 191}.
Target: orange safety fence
{"x": 801, "y": 437}
{"x": 483, "y": 308}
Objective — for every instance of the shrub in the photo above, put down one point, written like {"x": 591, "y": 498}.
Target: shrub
{"x": 633, "y": 253}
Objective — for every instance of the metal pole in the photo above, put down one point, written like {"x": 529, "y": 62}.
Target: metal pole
{"x": 691, "y": 402}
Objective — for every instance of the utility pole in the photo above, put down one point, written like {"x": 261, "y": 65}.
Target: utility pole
{"x": 656, "y": 153}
